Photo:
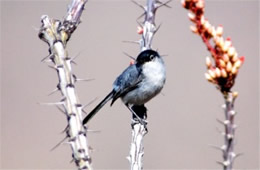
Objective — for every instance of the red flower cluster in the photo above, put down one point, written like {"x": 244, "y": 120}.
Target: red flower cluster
{"x": 226, "y": 61}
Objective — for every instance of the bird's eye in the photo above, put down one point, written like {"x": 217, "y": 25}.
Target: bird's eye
{"x": 151, "y": 57}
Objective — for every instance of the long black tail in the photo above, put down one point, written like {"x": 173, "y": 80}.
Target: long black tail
{"x": 98, "y": 107}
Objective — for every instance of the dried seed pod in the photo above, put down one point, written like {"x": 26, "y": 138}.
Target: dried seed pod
{"x": 200, "y": 4}
{"x": 225, "y": 47}
{"x": 234, "y": 70}
{"x": 219, "y": 30}
{"x": 229, "y": 67}
{"x": 213, "y": 31}
{"x": 217, "y": 72}
{"x": 210, "y": 30}
{"x": 208, "y": 62}
{"x": 193, "y": 29}
{"x": 238, "y": 64}
{"x": 228, "y": 42}
{"x": 217, "y": 40}
{"x": 212, "y": 73}
{"x": 202, "y": 20}
{"x": 207, "y": 25}
{"x": 223, "y": 73}
{"x": 208, "y": 77}
{"x": 191, "y": 16}
{"x": 231, "y": 51}
{"x": 225, "y": 58}
{"x": 235, "y": 57}
{"x": 222, "y": 63}
{"x": 183, "y": 2}
{"x": 221, "y": 42}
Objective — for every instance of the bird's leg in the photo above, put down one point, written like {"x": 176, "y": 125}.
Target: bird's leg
{"x": 139, "y": 113}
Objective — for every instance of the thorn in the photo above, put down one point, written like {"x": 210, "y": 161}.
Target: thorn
{"x": 94, "y": 131}
{"x": 136, "y": 3}
{"x": 232, "y": 112}
{"x": 225, "y": 163}
{"x": 55, "y": 103}
{"x": 58, "y": 144}
{"x": 157, "y": 28}
{"x": 72, "y": 60}
{"x": 163, "y": 4}
{"x": 224, "y": 147}
{"x": 143, "y": 14}
{"x": 232, "y": 154}
{"x": 65, "y": 130}
{"x": 221, "y": 122}
{"x": 140, "y": 24}
{"x": 60, "y": 109}
{"x": 133, "y": 42}
{"x": 219, "y": 162}
{"x": 225, "y": 122}
{"x": 89, "y": 103}
{"x": 52, "y": 92}
{"x": 47, "y": 57}
{"x": 238, "y": 155}
{"x": 78, "y": 79}
{"x": 128, "y": 55}
{"x": 216, "y": 147}
{"x": 53, "y": 67}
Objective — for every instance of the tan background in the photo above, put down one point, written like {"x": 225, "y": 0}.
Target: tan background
{"x": 182, "y": 121}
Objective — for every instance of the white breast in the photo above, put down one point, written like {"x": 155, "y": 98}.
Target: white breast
{"x": 154, "y": 72}
{"x": 153, "y": 80}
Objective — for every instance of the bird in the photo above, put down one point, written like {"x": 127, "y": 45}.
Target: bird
{"x": 137, "y": 84}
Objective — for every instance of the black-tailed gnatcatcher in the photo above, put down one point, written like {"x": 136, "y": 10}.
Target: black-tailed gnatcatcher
{"x": 139, "y": 83}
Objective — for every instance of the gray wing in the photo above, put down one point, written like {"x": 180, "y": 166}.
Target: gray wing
{"x": 127, "y": 81}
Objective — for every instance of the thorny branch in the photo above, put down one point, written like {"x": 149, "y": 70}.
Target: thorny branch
{"x": 146, "y": 29}
{"x": 222, "y": 73}
{"x": 56, "y": 34}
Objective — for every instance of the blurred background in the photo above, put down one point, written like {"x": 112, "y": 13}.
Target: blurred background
{"x": 182, "y": 120}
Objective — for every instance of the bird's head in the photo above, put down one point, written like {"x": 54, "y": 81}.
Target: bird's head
{"x": 147, "y": 56}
